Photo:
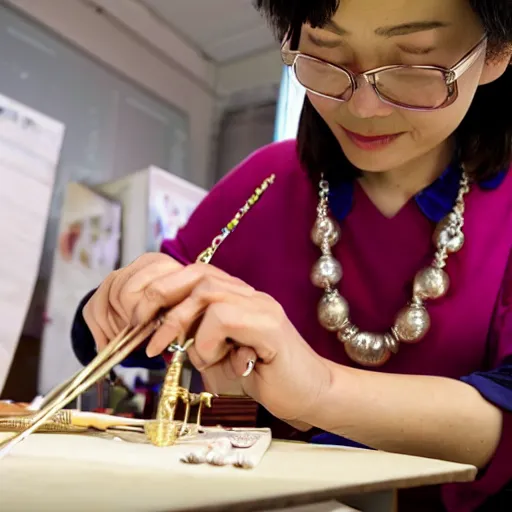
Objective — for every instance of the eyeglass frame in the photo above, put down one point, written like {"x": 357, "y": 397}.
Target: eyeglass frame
{"x": 451, "y": 75}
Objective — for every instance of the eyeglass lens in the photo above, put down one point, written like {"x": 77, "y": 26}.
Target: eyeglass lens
{"x": 421, "y": 88}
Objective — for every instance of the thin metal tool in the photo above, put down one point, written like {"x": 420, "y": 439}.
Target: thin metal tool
{"x": 115, "y": 352}
{"x": 68, "y": 420}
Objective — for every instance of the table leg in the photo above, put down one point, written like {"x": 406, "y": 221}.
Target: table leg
{"x": 385, "y": 501}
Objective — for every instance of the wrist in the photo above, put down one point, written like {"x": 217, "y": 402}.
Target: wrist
{"x": 322, "y": 402}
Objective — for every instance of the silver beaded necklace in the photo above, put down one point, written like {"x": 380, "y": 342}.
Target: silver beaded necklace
{"x": 413, "y": 321}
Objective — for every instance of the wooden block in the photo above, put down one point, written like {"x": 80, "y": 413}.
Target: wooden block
{"x": 231, "y": 412}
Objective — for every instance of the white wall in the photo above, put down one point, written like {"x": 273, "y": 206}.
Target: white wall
{"x": 136, "y": 17}
{"x": 110, "y": 42}
{"x": 262, "y": 70}
{"x": 122, "y": 35}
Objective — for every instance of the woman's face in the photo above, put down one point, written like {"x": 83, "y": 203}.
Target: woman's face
{"x": 360, "y": 38}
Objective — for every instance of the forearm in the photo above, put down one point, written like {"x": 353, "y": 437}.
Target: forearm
{"x": 417, "y": 415}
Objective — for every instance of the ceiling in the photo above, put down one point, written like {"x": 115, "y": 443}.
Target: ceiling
{"x": 223, "y": 30}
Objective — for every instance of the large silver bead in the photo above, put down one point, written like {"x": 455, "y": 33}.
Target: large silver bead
{"x": 368, "y": 349}
{"x": 431, "y": 283}
{"x": 333, "y": 311}
{"x": 448, "y": 235}
{"x": 412, "y": 323}
{"x": 326, "y": 272}
{"x": 325, "y": 230}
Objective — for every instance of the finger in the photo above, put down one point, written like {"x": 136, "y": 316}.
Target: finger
{"x": 125, "y": 292}
{"x": 99, "y": 336}
{"x": 179, "y": 321}
{"x": 195, "y": 358}
{"x": 173, "y": 288}
{"x": 95, "y": 313}
{"x": 232, "y": 321}
{"x": 233, "y": 367}
{"x": 243, "y": 361}
{"x": 115, "y": 322}
{"x": 164, "y": 336}
{"x": 211, "y": 340}
{"x": 220, "y": 379}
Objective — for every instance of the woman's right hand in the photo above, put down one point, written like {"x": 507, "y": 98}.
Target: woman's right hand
{"x": 112, "y": 306}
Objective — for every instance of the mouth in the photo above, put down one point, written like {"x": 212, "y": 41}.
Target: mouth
{"x": 371, "y": 142}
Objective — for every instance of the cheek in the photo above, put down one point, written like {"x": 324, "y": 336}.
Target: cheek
{"x": 431, "y": 128}
{"x": 325, "y": 107}
{"x": 440, "y": 124}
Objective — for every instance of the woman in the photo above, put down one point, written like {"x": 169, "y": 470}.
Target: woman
{"x": 404, "y": 146}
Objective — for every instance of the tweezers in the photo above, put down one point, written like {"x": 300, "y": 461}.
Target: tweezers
{"x": 115, "y": 352}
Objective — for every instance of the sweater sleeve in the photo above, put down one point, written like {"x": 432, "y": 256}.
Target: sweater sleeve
{"x": 495, "y": 385}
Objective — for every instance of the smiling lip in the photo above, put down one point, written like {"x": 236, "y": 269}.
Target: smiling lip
{"x": 371, "y": 142}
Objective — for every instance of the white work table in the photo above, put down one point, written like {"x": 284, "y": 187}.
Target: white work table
{"x": 62, "y": 473}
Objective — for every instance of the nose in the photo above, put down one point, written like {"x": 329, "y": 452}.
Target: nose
{"x": 365, "y": 103}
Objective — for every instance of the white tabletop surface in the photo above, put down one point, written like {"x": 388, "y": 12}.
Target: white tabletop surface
{"x": 80, "y": 473}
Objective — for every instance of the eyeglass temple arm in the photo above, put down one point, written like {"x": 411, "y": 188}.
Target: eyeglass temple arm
{"x": 468, "y": 61}
{"x": 288, "y": 55}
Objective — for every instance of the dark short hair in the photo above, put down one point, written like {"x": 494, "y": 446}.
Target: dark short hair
{"x": 484, "y": 137}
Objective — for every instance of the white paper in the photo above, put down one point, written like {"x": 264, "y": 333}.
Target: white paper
{"x": 30, "y": 145}
{"x": 87, "y": 251}
{"x": 171, "y": 202}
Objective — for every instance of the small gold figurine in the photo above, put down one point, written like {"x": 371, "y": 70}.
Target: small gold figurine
{"x": 203, "y": 398}
{"x": 165, "y": 429}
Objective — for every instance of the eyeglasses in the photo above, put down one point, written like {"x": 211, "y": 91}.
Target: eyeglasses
{"x": 409, "y": 87}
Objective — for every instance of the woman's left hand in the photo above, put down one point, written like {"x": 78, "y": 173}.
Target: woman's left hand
{"x": 288, "y": 377}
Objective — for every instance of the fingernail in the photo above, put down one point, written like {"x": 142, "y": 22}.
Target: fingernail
{"x": 150, "y": 351}
{"x": 250, "y": 368}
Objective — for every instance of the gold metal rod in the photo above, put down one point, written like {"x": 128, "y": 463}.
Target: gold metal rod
{"x": 102, "y": 357}
{"x": 98, "y": 368}
{"x": 71, "y": 420}
{"x": 21, "y": 423}
{"x": 81, "y": 374}
{"x": 58, "y": 390}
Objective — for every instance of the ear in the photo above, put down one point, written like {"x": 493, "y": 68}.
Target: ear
{"x": 495, "y": 67}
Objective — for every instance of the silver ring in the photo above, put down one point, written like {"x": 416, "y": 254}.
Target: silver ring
{"x": 174, "y": 347}
{"x": 250, "y": 367}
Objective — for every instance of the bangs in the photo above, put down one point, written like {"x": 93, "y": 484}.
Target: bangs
{"x": 289, "y": 16}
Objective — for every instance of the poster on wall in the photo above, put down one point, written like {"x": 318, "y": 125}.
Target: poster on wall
{"x": 30, "y": 146}
{"x": 87, "y": 251}
{"x": 171, "y": 201}
{"x": 155, "y": 205}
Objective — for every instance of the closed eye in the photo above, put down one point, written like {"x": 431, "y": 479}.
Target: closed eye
{"x": 416, "y": 51}
{"x": 324, "y": 43}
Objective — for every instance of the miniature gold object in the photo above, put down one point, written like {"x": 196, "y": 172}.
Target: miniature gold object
{"x": 165, "y": 430}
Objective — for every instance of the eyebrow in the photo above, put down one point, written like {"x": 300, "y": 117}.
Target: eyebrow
{"x": 392, "y": 31}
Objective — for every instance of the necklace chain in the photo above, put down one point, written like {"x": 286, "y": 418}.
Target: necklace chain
{"x": 413, "y": 321}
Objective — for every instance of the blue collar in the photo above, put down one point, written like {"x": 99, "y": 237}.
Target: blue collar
{"x": 436, "y": 201}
